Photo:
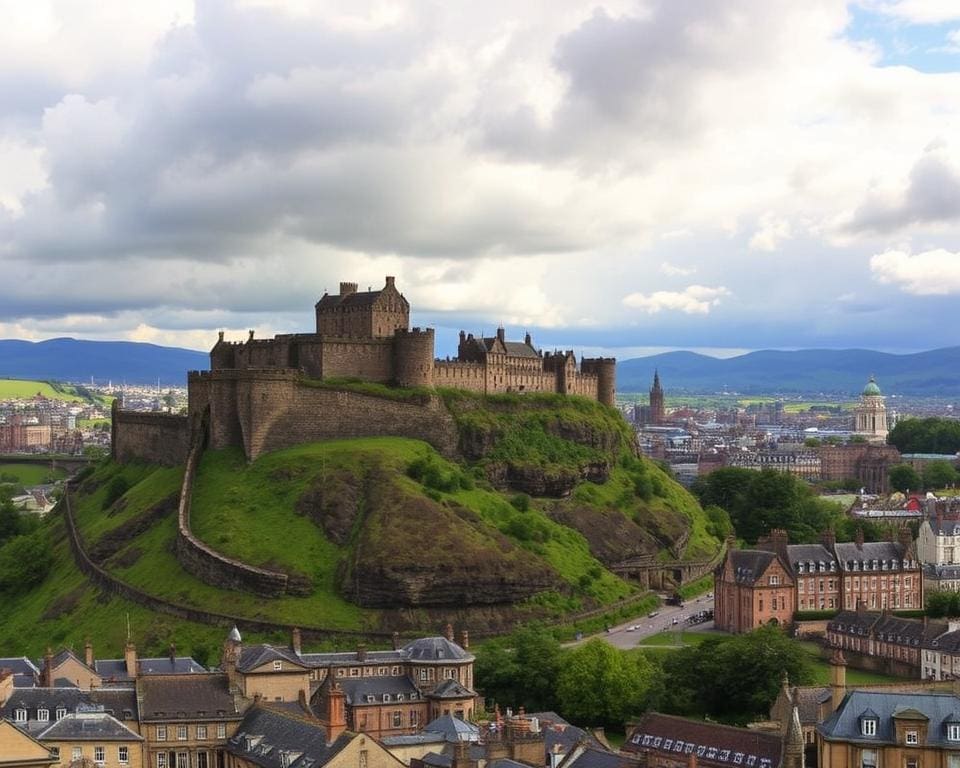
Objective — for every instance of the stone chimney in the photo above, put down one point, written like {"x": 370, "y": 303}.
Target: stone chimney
{"x": 778, "y": 542}
{"x": 464, "y": 639}
{"x": 858, "y": 537}
{"x": 396, "y": 641}
{"x": 47, "y": 676}
{"x": 448, "y": 632}
{"x": 391, "y": 282}
{"x": 829, "y": 539}
{"x": 838, "y": 678}
{"x": 461, "y": 755}
{"x": 130, "y": 658}
{"x": 88, "y": 653}
{"x": 336, "y": 712}
{"x": 295, "y": 640}
{"x": 347, "y": 288}
{"x": 361, "y": 652}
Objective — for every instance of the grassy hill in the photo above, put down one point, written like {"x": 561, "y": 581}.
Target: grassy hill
{"x": 20, "y": 389}
{"x": 375, "y": 524}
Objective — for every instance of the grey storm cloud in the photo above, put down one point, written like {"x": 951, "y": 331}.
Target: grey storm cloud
{"x": 931, "y": 196}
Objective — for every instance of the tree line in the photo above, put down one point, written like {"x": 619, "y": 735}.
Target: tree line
{"x": 595, "y": 684}
{"x": 25, "y": 552}
{"x": 932, "y": 435}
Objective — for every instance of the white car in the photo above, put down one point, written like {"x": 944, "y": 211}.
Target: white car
{"x": 633, "y": 628}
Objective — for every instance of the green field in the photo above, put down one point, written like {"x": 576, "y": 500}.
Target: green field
{"x": 13, "y": 389}
{"x": 30, "y": 474}
{"x": 821, "y": 670}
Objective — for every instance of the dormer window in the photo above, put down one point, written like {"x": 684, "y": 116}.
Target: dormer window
{"x": 371, "y": 698}
{"x": 43, "y": 715}
{"x": 61, "y": 713}
{"x": 20, "y": 716}
{"x": 386, "y": 697}
{"x": 953, "y": 732}
{"x": 277, "y": 665}
{"x": 868, "y": 726}
{"x": 911, "y": 738}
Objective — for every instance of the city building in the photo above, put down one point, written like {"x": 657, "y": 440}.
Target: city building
{"x": 870, "y": 414}
{"x": 90, "y": 736}
{"x": 938, "y": 547}
{"x": 872, "y": 729}
{"x": 20, "y": 750}
{"x": 752, "y": 588}
{"x": 867, "y": 463}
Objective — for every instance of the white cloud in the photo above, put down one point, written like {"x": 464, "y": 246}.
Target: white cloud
{"x": 930, "y": 273}
{"x": 918, "y": 11}
{"x": 673, "y": 270}
{"x": 771, "y": 232}
{"x": 693, "y": 300}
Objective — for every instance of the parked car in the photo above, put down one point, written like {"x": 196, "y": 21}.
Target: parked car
{"x": 652, "y": 614}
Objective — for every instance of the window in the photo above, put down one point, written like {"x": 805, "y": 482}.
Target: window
{"x": 181, "y": 733}
{"x": 774, "y": 581}
{"x": 277, "y": 665}
{"x": 123, "y": 754}
{"x": 183, "y": 760}
{"x": 201, "y": 732}
{"x": 912, "y": 737}
{"x": 161, "y": 760}
{"x": 386, "y": 697}
{"x": 161, "y": 733}
{"x": 20, "y": 716}
{"x": 202, "y": 761}
{"x": 397, "y": 718}
{"x": 55, "y": 752}
{"x": 61, "y": 713}
{"x": 953, "y": 732}
{"x": 868, "y": 726}
{"x": 221, "y": 730}
{"x": 77, "y": 753}
{"x": 415, "y": 719}
{"x": 43, "y": 715}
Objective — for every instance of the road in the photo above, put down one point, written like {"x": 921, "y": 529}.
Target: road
{"x": 621, "y": 637}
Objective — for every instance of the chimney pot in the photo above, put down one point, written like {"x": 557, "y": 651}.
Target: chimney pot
{"x": 464, "y": 639}
{"x": 448, "y": 632}
{"x": 295, "y": 640}
{"x": 396, "y": 641}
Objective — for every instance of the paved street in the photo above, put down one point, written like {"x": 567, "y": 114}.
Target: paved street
{"x": 621, "y": 636}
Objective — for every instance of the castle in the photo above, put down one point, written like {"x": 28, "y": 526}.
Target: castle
{"x": 266, "y": 394}
{"x": 366, "y": 335}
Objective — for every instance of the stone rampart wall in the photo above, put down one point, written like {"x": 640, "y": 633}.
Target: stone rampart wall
{"x": 208, "y": 565}
{"x": 156, "y": 438}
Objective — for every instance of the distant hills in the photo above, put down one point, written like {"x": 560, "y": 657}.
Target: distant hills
{"x": 805, "y": 371}
{"x": 76, "y": 360}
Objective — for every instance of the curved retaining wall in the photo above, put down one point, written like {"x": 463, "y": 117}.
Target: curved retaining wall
{"x": 208, "y": 565}
{"x": 113, "y": 585}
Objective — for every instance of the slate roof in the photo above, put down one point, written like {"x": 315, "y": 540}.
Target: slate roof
{"x": 750, "y": 564}
{"x": 887, "y": 628}
{"x": 450, "y": 689}
{"x": 453, "y": 729}
{"x": 559, "y": 736}
{"x": 807, "y": 700}
{"x": 265, "y": 735}
{"x": 435, "y": 649}
{"x": 881, "y": 551}
{"x": 591, "y": 757}
{"x": 713, "y": 744}
{"x": 65, "y": 654}
{"x": 358, "y": 689}
{"x": 939, "y": 572}
{"x": 256, "y": 655}
{"x": 949, "y": 642}
{"x": 945, "y": 526}
{"x": 413, "y": 739}
{"x": 810, "y": 553}
{"x": 118, "y": 702}
{"x": 22, "y": 669}
{"x": 373, "y": 658}
{"x": 186, "y": 697}
{"x": 88, "y": 726}
{"x": 845, "y": 723}
{"x": 353, "y": 300}
{"x": 116, "y": 669}
{"x": 514, "y": 348}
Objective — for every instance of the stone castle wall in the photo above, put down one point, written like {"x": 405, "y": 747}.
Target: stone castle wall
{"x": 267, "y": 410}
{"x": 156, "y": 438}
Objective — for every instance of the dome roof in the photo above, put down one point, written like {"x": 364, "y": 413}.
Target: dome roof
{"x": 871, "y": 388}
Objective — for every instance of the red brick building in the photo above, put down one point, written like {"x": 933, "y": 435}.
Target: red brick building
{"x": 753, "y": 587}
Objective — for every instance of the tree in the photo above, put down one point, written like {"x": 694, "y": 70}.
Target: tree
{"x": 521, "y": 669}
{"x": 904, "y": 478}
{"x": 939, "y": 474}
{"x": 24, "y": 561}
{"x": 943, "y": 603}
{"x": 933, "y": 435}
{"x": 600, "y": 685}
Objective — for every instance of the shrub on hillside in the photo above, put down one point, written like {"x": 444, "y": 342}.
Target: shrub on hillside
{"x": 117, "y": 487}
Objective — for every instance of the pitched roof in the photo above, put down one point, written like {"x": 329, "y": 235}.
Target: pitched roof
{"x": 359, "y": 690}
{"x": 453, "y": 729}
{"x": 88, "y": 726}
{"x": 713, "y": 744}
{"x": 945, "y": 526}
{"x": 845, "y": 723}
{"x": 21, "y": 666}
{"x": 750, "y": 564}
{"x": 257, "y": 655}
{"x": 265, "y": 735}
{"x": 514, "y": 348}
{"x": 116, "y": 669}
{"x": 186, "y": 697}
{"x": 881, "y": 551}
{"x": 809, "y": 553}
{"x": 559, "y": 736}
{"x": 591, "y": 757}
{"x": 118, "y": 702}
{"x": 891, "y": 629}
{"x": 807, "y": 700}
{"x": 435, "y": 649}
{"x": 450, "y": 689}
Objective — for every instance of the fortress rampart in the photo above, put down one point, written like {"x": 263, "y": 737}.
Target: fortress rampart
{"x": 156, "y": 438}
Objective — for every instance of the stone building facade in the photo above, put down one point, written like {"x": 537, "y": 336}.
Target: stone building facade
{"x": 869, "y": 464}
{"x": 870, "y": 414}
{"x": 367, "y": 335}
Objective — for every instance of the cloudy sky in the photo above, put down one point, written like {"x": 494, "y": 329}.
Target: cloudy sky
{"x": 624, "y": 176}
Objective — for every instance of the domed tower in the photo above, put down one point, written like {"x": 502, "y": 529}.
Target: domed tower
{"x": 413, "y": 357}
{"x": 871, "y": 413}
{"x": 606, "y": 370}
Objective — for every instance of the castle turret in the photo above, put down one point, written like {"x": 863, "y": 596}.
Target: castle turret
{"x": 605, "y": 369}
{"x": 413, "y": 357}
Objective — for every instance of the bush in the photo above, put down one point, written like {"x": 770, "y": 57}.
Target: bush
{"x": 521, "y": 502}
{"x": 24, "y": 561}
{"x": 117, "y": 487}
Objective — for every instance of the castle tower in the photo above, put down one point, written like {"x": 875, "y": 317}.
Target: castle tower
{"x": 413, "y": 357}
{"x": 657, "y": 410}
{"x": 871, "y": 413}
{"x": 606, "y": 370}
